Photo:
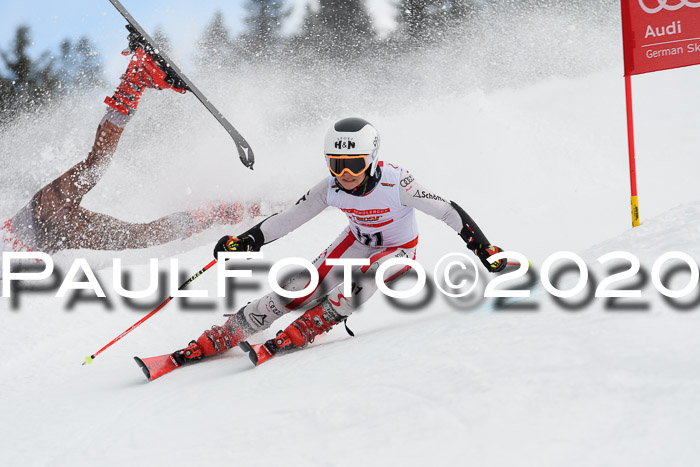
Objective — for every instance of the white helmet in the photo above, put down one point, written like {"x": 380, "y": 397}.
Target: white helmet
{"x": 352, "y": 137}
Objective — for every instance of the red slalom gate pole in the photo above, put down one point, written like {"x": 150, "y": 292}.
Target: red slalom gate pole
{"x": 632, "y": 158}
{"x": 89, "y": 359}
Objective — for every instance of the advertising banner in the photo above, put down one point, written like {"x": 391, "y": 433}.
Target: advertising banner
{"x": 660, "y": 34}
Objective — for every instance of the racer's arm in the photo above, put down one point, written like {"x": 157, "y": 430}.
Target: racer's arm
{"x": 413, "y": 193}
{"x": 280, "y": 224}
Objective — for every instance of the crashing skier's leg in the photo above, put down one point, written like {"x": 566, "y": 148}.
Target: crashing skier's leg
{"x": 141, "y": 73}
{"x": 224, "y": 213}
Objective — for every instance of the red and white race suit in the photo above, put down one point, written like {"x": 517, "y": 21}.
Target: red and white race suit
{"x": 382, "y": 226}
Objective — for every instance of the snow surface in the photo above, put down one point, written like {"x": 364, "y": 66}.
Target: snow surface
{"x": 540, "y": 161}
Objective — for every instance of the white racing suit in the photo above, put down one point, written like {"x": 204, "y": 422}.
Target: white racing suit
{"x": 382, "y": 226}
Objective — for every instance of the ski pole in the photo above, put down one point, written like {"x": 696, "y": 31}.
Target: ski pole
{"x": 89, "y": 359}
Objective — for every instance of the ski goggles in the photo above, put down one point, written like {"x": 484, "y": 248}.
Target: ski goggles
{"x": 357, "y": 164}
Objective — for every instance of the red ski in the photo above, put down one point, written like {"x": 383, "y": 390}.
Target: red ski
{"x": 155, "y": 367}
{"x": 258, "y": 353}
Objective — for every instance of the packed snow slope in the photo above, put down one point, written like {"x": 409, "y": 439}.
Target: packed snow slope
{"x": 526, "y": 132}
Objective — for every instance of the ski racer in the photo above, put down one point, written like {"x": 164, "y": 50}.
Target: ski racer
{"x": 379, "y": 200}
{"x": 54, "y": 219}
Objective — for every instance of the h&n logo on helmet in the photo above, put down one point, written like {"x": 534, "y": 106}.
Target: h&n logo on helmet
{"x": 344, "y": 143}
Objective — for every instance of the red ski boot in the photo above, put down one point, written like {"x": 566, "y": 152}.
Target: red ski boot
{"x": 315, "y": 321}
{"x": 145, "y": 70}
{"x": 219, "y": 339}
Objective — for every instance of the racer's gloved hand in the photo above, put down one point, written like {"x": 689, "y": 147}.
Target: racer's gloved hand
{"x": 229, "y": 243}
{"x": 484, "y": 252}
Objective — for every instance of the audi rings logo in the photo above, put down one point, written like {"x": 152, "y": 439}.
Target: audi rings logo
{"x": 670, "y": 5}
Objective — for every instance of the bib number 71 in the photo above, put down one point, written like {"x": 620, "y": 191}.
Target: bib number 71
{"x": 374, "y": 239}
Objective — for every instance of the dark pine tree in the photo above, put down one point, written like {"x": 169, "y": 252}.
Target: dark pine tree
{"x": 423, "y": 22}
{"x": 263, "y": 25}
{"x": 29, "y": 83}
{"x": 215, "y": 47}
{"x": 81, "y": 66}
{"x": 339, "y": 27}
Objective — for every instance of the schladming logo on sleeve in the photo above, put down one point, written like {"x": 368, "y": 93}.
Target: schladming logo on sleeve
{"x": 664, "y": 5}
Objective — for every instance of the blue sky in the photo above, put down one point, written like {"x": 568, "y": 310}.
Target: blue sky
{"x": 182, "y": 21}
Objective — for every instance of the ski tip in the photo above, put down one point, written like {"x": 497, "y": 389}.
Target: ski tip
{"x": 245, "y": 346}
{"x": 252, "y": 354}
{"x": 144, "y": 368}
{"x": 253, "y": 357}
